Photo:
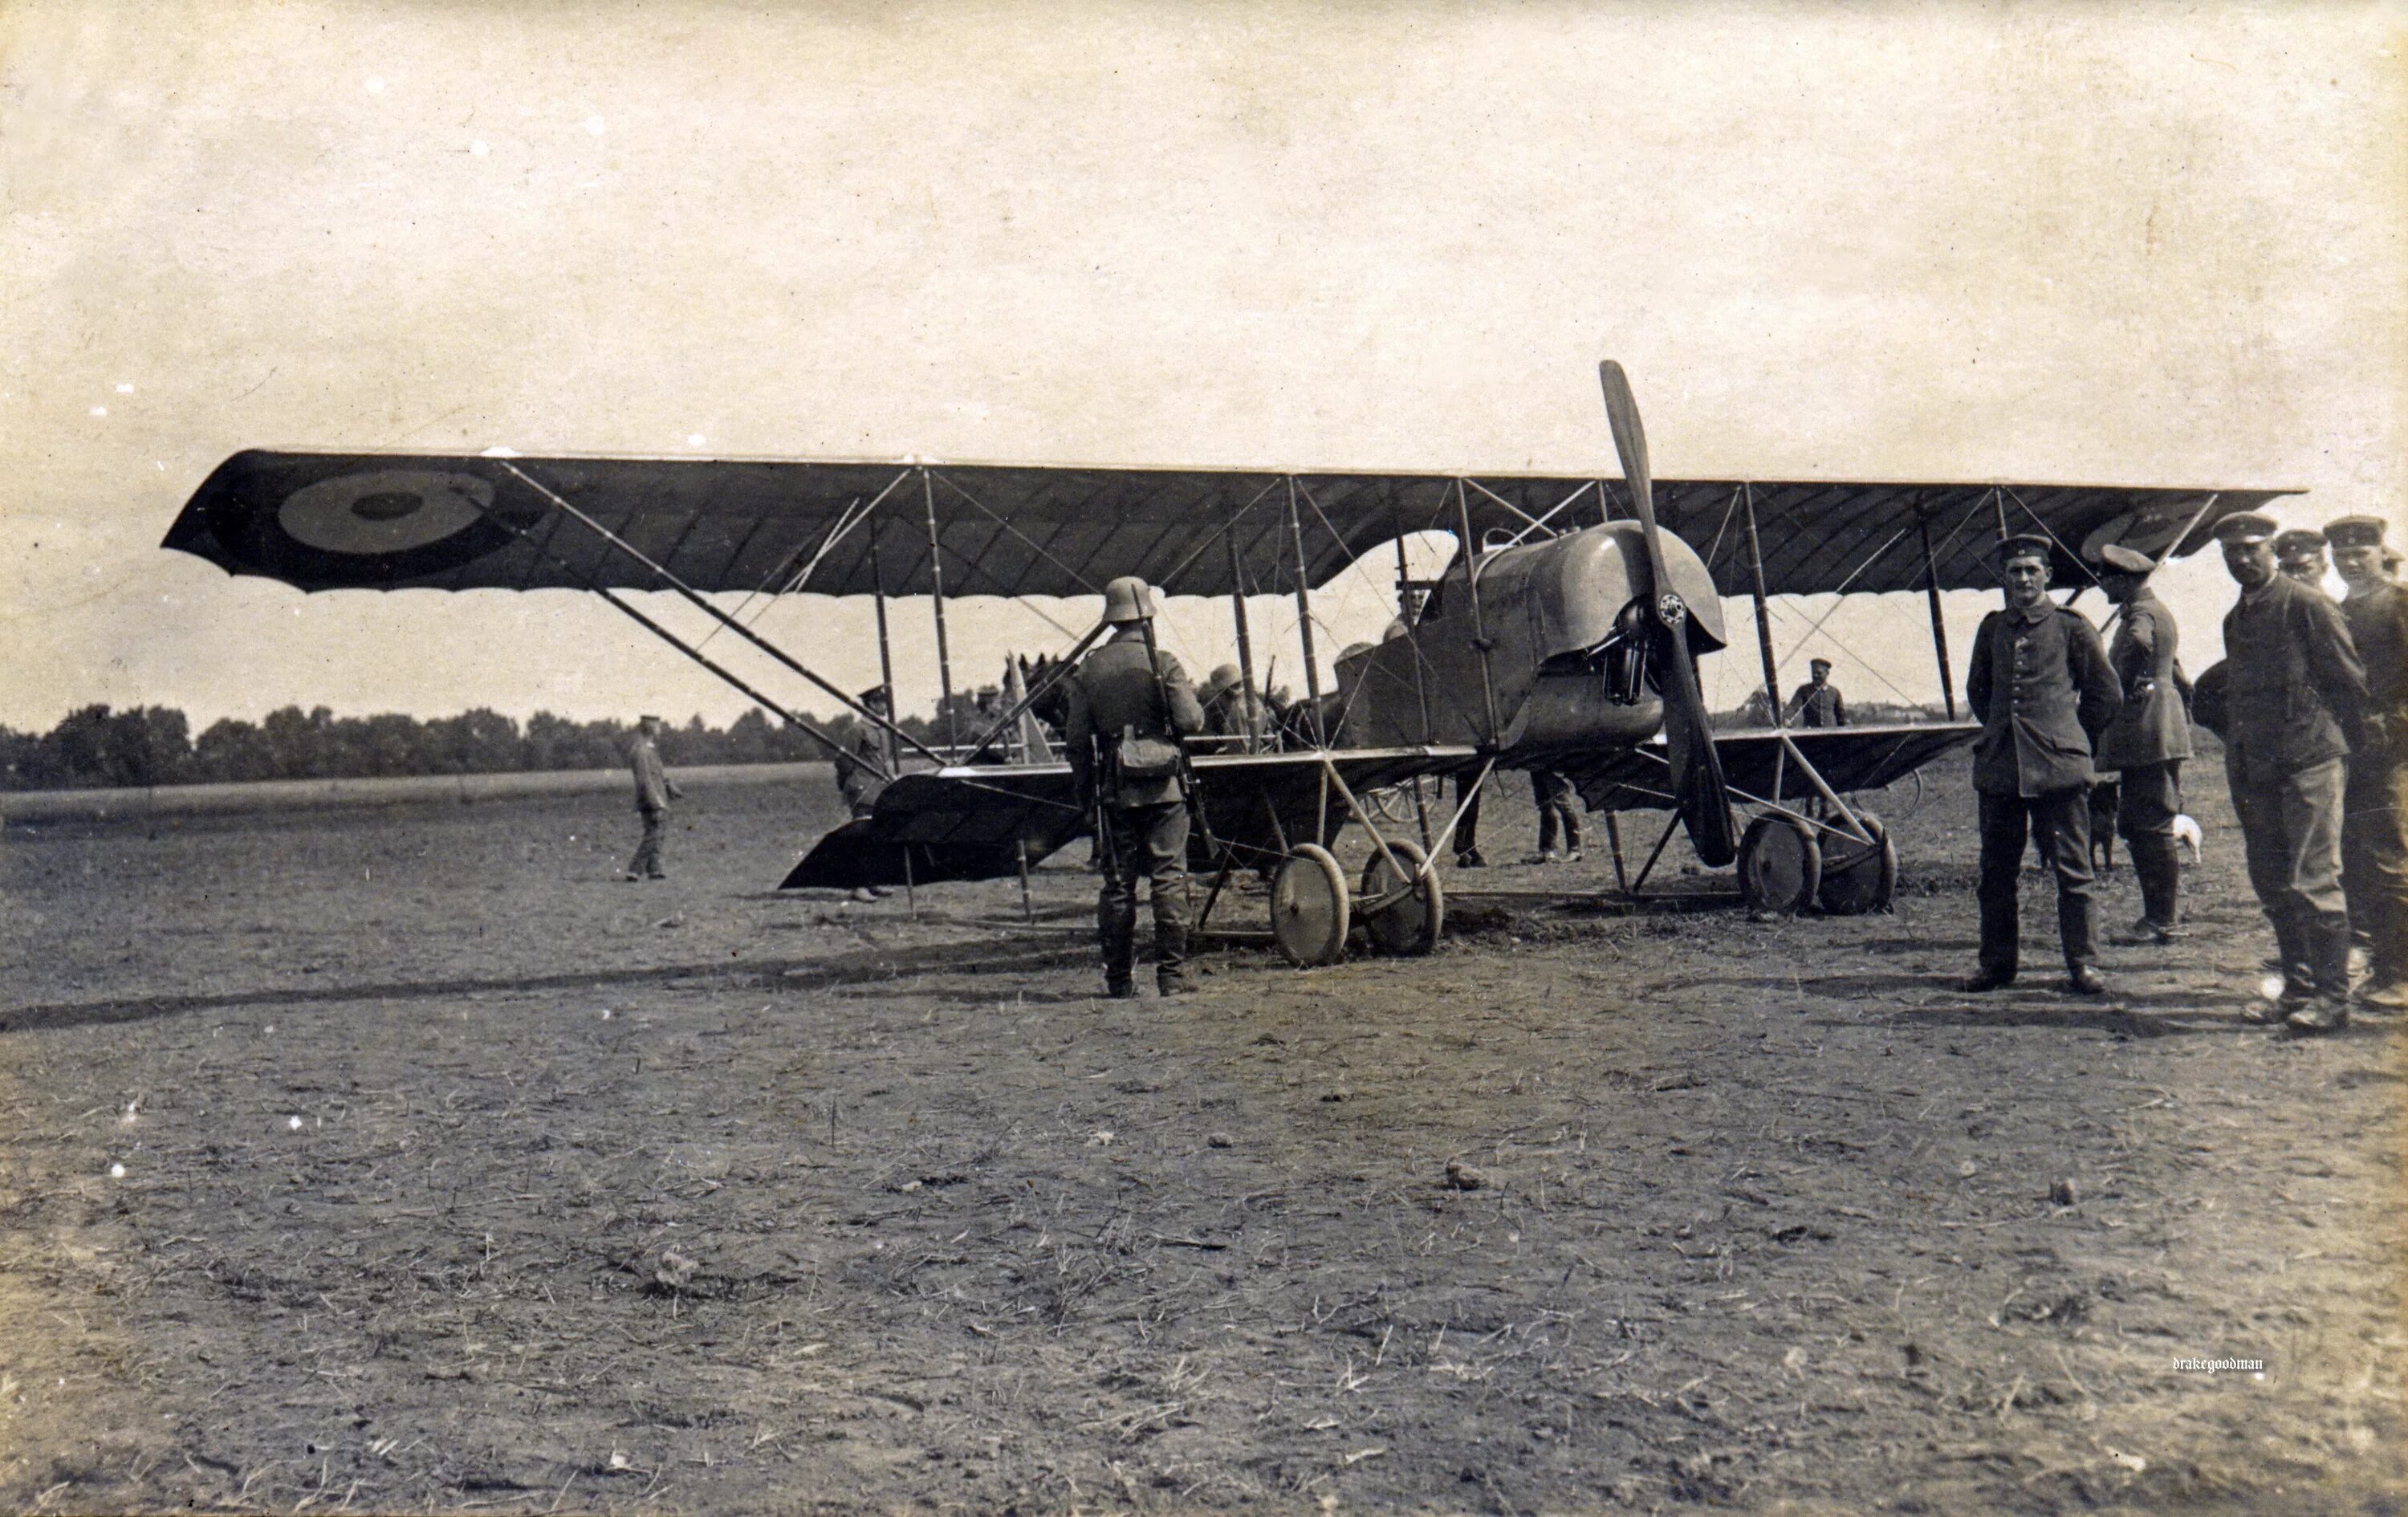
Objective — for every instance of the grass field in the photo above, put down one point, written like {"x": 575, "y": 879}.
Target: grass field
{"x": 403, "y": 1160}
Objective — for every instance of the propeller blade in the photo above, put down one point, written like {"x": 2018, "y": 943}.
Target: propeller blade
{"x": 1698, "y": 782}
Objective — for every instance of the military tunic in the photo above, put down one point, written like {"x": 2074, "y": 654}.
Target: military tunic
{"x": 2374, "y": 826}
{"x": 1815, "y": 705}
{"x": 2292, "y": 691}
{"x": 1116, "y": 691}
{"x": 857, "y": 771}
{"x": 2147, "y": 741}
{"x": 655, "y": 790}
{"x": 2041, "y": 687}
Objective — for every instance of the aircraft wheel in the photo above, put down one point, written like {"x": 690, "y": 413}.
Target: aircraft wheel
{"x": 1857, "y": 878}
{"x": 1409, "y": 925}
{"x": 1780, "y": 865}
{"x": 1309, "y": 912}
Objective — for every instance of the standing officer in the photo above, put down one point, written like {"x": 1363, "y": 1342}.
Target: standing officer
{"x": 1817, "y": 702}
{"x": 2374, "y": 813}
{"x": 1130, "y": 704}
{"x": 2291, "y": 694}
{"x": 2147, "y": 741}
{"x": 655, "y": 790}
{"x": 2042, "y": 690}
{"x": 857, "y": 772}
{"x": 2300, "y": 555}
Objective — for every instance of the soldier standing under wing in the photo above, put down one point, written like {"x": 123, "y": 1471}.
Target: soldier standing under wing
{"x": 2374, "y": 812}
{"x": 2300, "y": 555}
{"x": 2146, "y": 742}
{"x": 2041, "y": 687}
{"x": 1129, "y": 705}
{"x": 2291, "y": 694}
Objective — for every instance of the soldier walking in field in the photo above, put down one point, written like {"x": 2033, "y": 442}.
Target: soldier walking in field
{"x": 2374, "y": 809}
{"x": 1130, "y": 704}
{"x": 655, "y": 790}
{"x": 2290, "y": 695}
{"x": 2146, "y": 744}
{"x": 2042, "y": 690}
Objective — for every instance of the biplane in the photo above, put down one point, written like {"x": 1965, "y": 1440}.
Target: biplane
{"x": 1563, "y": 633}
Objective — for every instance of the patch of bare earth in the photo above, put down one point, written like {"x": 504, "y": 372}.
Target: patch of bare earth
{"x": 457, "y": 1177}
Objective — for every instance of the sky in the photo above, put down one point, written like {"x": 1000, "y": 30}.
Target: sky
{"x": 2121, "y": 244}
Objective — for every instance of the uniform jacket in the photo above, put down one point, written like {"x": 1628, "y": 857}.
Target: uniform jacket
{"x": 2153, "y": 727}
{"x": 1226, "y": 716}
{"x": 2293, "y": 687}
{"x": 1116, "y": 691}
{"x": 857, "y": 771}
{"x": 653, "y": 791}
{"x": 1817, "y": 706}
{"x": 2378, "y": 628}
{"x": 2042, "y": 690}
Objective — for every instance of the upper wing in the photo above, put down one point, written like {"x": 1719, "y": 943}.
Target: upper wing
{"x": 386, "y": 521}
{"x": 1849, "y": 759}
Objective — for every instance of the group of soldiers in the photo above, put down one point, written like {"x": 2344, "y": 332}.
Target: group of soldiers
{"x": 2311, "y": 703}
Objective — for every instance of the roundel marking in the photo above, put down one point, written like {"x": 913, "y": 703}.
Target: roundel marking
{"x": 384, "y": 512}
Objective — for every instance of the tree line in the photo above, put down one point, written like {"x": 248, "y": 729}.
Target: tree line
{"x": 98, "y": 747}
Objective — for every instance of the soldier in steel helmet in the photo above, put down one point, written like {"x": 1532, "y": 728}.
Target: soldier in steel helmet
{"x": 1130, "y": 704}
{"x": 2146, "y": 744}
{"x": 2374, "y": 810}
{"x": 2288, "y": 701}
{"x": 1232, "y": 709}
{"x": 2042, "y": 689}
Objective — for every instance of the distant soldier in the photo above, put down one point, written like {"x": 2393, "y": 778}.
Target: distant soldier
{"x": 2147, "y": 741}
{"x": 1558, "y": 812}
{"x": 858, "y": 772}
{"x": 2299, "y": 553}
{"x": 655, "y": 790}
{"x": 2042, "y": 690}
{"x": 2291, "y": 692}
{"x": 1232, "y": 709}
{"x": 1130, "y": 705}
{"x": 1816, "y": 703}
{"x": 2375, "y": 825}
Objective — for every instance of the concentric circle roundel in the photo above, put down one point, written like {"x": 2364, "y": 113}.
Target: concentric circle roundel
{"x": 384, "y": 512}
{"x": 326, "y": 523}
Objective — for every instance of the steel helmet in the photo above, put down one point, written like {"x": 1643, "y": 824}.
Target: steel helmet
{"x": 1128, "y": 599}
{"x": 1222, "y": 680}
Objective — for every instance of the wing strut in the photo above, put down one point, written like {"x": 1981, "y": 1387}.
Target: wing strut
{"x": 717, "y": 615}
{"x": 803, "y": 725}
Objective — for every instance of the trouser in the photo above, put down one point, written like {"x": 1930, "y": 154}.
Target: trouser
{"x": 647, "y": 861}
{"x": 1466, "y": 824}
{"x": 1558, "y": 811}
{"x": 2060, "y": 820}
{"x": 2374, "y": 860}
{"x": 1148, "y": 842}
{"x": 2290, "y": 827}
{"x": 2148, "y": 797}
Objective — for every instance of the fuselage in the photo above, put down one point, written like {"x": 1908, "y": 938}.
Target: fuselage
{"x": 1530, "y": 651}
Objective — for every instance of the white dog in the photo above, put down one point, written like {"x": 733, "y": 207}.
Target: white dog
{"x": 2187, "y": 834}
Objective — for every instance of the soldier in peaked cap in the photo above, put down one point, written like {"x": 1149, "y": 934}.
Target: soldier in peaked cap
{"x": 2041, "y": 687}
{"x": 1129, "y": 706}
{"x": 2146, "y": 744}
{"x": 2299, "y": 553}
{"x": 1817, "y": 703}
{"x": 2375, "y": 807}
{"x": 2292, "y": 693}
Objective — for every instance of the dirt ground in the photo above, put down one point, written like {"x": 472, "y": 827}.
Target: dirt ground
{"x": 456, "y": 1176}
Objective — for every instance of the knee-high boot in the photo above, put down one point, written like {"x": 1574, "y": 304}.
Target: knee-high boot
{"x": 2159, "y": 865}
